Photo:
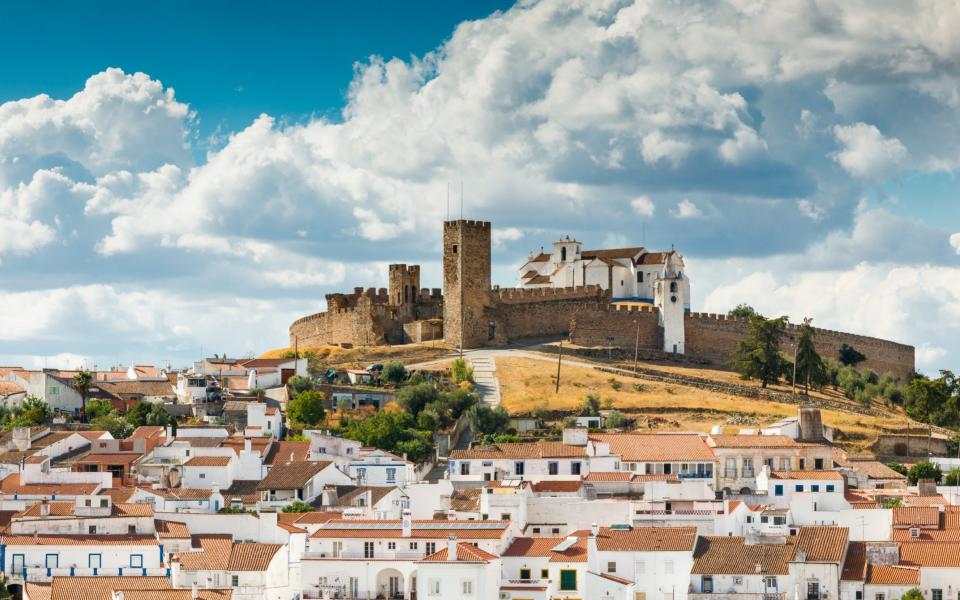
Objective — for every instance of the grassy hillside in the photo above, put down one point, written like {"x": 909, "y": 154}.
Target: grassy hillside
{"x": 527, "y": 383}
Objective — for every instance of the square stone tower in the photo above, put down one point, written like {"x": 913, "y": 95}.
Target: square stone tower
{"x": 404, "y": 284}
{"x": 466, "y": 283}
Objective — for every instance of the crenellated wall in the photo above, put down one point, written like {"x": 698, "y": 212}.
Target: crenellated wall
{"x": 619, "y": 326}
{"x": 530, "y": 313}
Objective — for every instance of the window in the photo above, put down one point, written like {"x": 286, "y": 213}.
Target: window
{"x": 136, "y": 561}
{"x": 544, "y": 573}
{"x": 52, "y": 561}
{"x": 553, "y": 468}
{"x": 706, "y": 584}
{"x": 673, "y": 286}
{"x": 778, "y": 489}
{"x": 785, "y": 464}
{"x": 203, "y": 475}
{"x": 555, "y": 531}
{"x": 611, "y": 567}
{"x": 504, "y": 516}
{"x": 465, "y": 468}
{"x": 798, "y": 488}
{"x": 880, "y": 597}
{"x": 563, "y": 255}
{"x": 768, "y": 462}
{"x": 391, "y": 475}
{"x": 780, "y": 520}
{"x": 92, "y": 530}
{"x": 831, "y": 487}
{"x": 430, "y": 547}
{"x": 668, "y": 567}
{"x": 524, "y": 573}
{"x": 466, "y": 587}
{"x": 131, "y": 530}
{"x": 814, "y": 487}
{"x": 858, "y": 595}
{"x": 368, "y": 549}
{"x": 454, "y": 248}
{"x": 391, "y": 545}
{"x": 813, "y": 590}
{"x": 731, "y": 468}
{"x": 103, "y": 502}
{"x": 803, "y": 464}
{"x": 748, "y": 467}
{"x": 53, "y": 390}
{"x": 568, "y": 580}
{"x": 234, "y": 580}
{"x": 764, "y": 519}
{"x": 518, "y": 467}
{"x": 536, "y": 530}
{"x": 818, "y": 464}
{"x": 749, "y": 519}
{"x": 413, "y": 545}
{"x": 361, "y": 473}
{"x": 936, "y": 594}
{"x": 433, "y": 587}
{"x": 88, "y": 502}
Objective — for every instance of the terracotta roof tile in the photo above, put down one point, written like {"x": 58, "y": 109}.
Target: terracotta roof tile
{"x": 79, "y": 540}
{"x": 855, "y": 565}
{"x": 521, "y": 450}
{"x": 465, "y": 553}
{"x": 752, "y": 441}
{"x": 808, "y": 475}
{"x": 647, "y": 539}
{"x": 287, "y": 451}
{"x": 102, "y": 587}
{"x": 11, "y": 485}
{"x": 930, "y": 554}
{"x": 465, "y": 499}
{"x": 657, "y": 447}
{"x": 291, "y": 475}
{"x": 893, "y": 575}
{"x": 208, "y": 461}
{"x": 918, "y": 516}
{"x": 557, "y": 486}
{"x": 544, "y": 548}
{"x": 171, "y": 529}
{"x": 823, "y": 544}
{"x": 723, "y": 555}
{"x": 608, "y": 476}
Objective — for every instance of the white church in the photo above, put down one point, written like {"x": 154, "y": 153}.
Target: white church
{"x": 631, "y": 275}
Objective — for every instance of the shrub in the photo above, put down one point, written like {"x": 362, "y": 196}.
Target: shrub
{"x": 299, "y": 384}
{"x": 413, "y": 398}
{"x": 98, "y": 408}
{"x": 953, "y": 477}
{"x": 394, "y": 372}
{"x": 459, "y": 371}
{"x": 912, "y": 594}
{"x": 925, "y": 470}
{"x": 297, "y": 507}
{"x": 899, "y": 468}
{"x": 616, "y": 420}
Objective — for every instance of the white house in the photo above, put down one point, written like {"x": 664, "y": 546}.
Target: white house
{"x": 656, "y": 559}
{"x": 379, "y": 467}
{"x": 40, "y": 557}
{"x": 458, "y": 571}
{"x": 251, "y": 571}
{"x": 265, "y": 420}
{"x": 302, "y": 481}
{"x": 366, "y": 558}
{"x": 782, "y": 486}
{"x": 540, "y": 568}
{"x": 742, "y": 457}
{"x": 210, "y": 471}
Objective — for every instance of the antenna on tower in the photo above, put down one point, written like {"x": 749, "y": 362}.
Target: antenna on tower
{"x": 643, "y": 234}
{"x": 448, "y": 200}
{"x": 461, "y": 199}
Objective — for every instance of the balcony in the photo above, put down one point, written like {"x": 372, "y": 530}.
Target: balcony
{"x": 378, "y": 555}
{"x": 736, "y": 596}
{"x": 42, "y": 574}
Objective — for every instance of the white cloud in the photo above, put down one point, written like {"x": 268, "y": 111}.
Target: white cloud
{"x": 955, "y": 242}
{"x": 643, "y": 206}
{"x": 866, "y": 153}
{"x": 21, "y": 237}
{"x": 686, "y": 209}
{"x": 810, "y": 210}
{"x": 502, "y": 235}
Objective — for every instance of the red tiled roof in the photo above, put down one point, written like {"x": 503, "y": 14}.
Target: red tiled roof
{"x": 656, "y": 447}
{"x": 808, "y": 475}
{"x": 291, "y": 475}
{"x": 465, "y": 553}
{"x": 11, "y": 485}
{"x": 544, "y": 547}
{"x": 752, "y": 441}
{"x": 521, "y": 450}
{"x": 557, "y": 486}
{"x": 823, "y": 544}
{"x": 208, "y": 461}
{"x": 893, "y": 575}
{"x": 79, "y": 540}
{"x": 729, "y": 555}
{"x": 930, "y": 554}
{"x": 647, "y": 539}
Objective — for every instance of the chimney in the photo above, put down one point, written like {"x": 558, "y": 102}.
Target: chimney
{"x": 44, "y": 508}
{"x": 452, "y": 547}
{"x": 593, "y": 557}
{"x": 247, "y": 445}
{"x": 594, "y": 530}
{"x": 406, "y": 523}
{"x": 194, "y": 592}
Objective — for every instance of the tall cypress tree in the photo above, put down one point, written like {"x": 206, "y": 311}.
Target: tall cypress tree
{"x": 810, "y": 366}
{"x": 758, "y": 356}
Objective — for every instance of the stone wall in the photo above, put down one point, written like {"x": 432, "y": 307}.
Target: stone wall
{"x": 416, "y": 332}
{"x": 617, "y": 326}
{"x": 714, "y": 337}
{"x": 515, "y": 314}
{"x": 466, "y": 282}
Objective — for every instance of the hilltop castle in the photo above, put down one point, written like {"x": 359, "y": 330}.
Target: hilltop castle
{"x": 624, "y": 298}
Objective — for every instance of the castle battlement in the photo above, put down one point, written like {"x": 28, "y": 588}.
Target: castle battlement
{"x": 628, "y": 308}
{"x": 466, "y": 223}
{"x": 522, "y": 295}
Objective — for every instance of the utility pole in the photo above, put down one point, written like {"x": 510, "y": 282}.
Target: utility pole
{"x": 636, "y": 348}
{"x": 559, "y": 358}
{"x": 796, "y": 347}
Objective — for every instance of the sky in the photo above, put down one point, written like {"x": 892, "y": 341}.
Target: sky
{"x": 190, "y": 177}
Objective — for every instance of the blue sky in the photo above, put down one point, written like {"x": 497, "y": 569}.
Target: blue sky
{"x": 199, "y": 174}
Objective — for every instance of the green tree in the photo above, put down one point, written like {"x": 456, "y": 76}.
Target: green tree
{"x": 925, "y": 470}
{"x": 850, "y": 356}
{"x": 307, "y": 408}
{"x": 297, "y": 507}
{"x": 299, "y": 384}
{"x": 810, "y": 367}
{"x": 899, "y": 468}
{"x": 488, "y": 421}
{"x": 98, "y": 408}
{"x": 891, "y": 503}
{"x": 912, "y": 594}
{"x": 149, "y": 413}
{"x": 758, "y": 356}
{"x": 952, "y": 477}
{"x": 743, "y": 311}
{"x": 459, "y": 371}
{"x": 459, "y": 400}
{"x": 413, "y": 398}
{"x": 590, "y": 407}
{"x": 928, "y": 400}
{"x": 569, "y": 421}
{"x": 32, "y": 412}
{"x": 616, "y": 420}
{"x": 81, "y": 383}
{"x": 394, "y": 372}
{"x": 113, "y": 423}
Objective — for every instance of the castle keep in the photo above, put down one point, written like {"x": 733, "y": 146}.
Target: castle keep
{"x": 622, "y": 298}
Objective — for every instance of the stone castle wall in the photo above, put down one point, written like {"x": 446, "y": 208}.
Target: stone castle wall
{"x": 530, "y": 313}
{"x": 714, "y": 337}
{"x": 466, "y": 282}
{"x": 617, "y": 326}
